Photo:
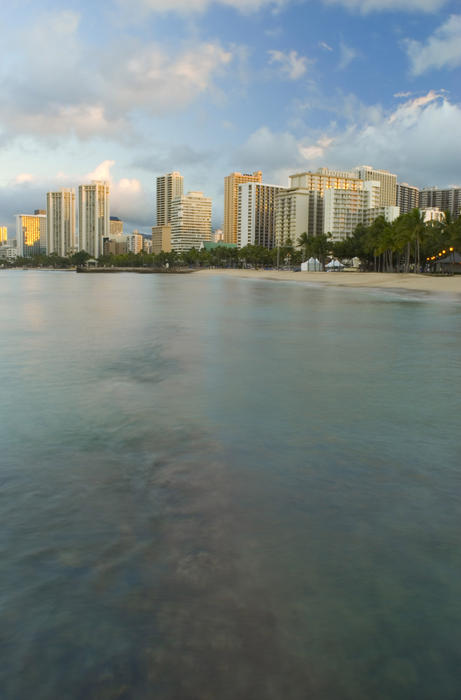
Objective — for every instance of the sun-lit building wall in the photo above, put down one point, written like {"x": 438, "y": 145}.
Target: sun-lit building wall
{"x": 31, "y": 234}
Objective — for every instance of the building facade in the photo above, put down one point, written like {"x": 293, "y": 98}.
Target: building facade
{"x": 161, "y": 239}
{"x": 135, "y": 242}
{"x": 291, "y": 215}
{"x": 407, "y": 197}
{"x": 31, "y": 234}
{"x": 231, "y": 185}
{"x": 256, "y": 214}
{"x": 61, "y": 222}
{"x": 94, "y": 217}
{"x": 3, "y": 235}
{"x": 190, "y": 221}
{"x": 115, "y": 226}
{"x": 448, "y": 199}
{"x": 433, "y": 214}
{"x": 325, "y": 179}
{"x": 168, "y": 187}
{"x": 388, "y": 181}
{"x": 345, "y": 209}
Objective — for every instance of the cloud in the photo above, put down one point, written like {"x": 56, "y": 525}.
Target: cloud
{"x": 26, "y": 192}
{"x": 190, "y": 6}
{"x": 366, "y": 6}
{"x": 66, "y": 89}
{"x": 402, "y": 94}
{"x": 415, "y": 140}
{"x": 324, "y": 45}
{"x": 291, "y": 64}
{"x": 347, "y": 55}
{"x": 441, "y": 50}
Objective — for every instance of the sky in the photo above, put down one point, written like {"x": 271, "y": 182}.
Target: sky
{"x": 126, "y": 90}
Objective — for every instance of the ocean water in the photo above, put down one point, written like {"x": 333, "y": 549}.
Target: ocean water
{"x": 227, "y": 489}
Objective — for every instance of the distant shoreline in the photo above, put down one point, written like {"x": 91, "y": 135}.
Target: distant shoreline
{"x": 378, "y": 280}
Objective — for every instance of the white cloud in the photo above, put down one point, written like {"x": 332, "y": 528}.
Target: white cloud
{"x": 291, "y": 64}
{"x": 191, "y": 6}
{"x": 26, "y": 192}
{"x": 441, "y": 50}
{"x": 347, "y": 55}
{"x": 415, "y": 140}
{"x": 366, "y": 6}
{"x": 246, "y": 6}
{"x": 411, "y": 107}
{"x": 324, "y": 45}
{"x": 402, "y": 94}
{"x": 66, "y": 89}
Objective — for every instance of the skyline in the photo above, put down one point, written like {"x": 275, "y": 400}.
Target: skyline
{"x": 207, "y": 88}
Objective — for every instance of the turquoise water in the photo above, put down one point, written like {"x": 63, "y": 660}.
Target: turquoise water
{"x": 229, "y": 489}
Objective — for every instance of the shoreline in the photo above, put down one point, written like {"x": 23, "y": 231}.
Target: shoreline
{"x": 368, "y": 280}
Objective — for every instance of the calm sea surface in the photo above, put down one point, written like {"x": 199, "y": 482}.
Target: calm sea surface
{"x": 227, "y": 489}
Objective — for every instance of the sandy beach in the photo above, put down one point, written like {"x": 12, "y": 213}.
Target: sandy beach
{"x": 377, "y": 280}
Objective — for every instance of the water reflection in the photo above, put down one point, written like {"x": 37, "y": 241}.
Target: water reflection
{"x": 204, "y": 499}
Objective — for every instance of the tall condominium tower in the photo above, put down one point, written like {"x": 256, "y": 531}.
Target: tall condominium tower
{"x": 256, "y": 214}
{"x": 388, "y": 182}
{"x": 168, "y": 187}
{"x": 3, "y": 235}
{"x": 190, "y": 221}
{"x": 448, "y": 199}
{"x": 60, "y": 211}
{"x": 231, "y": 184}
{"x": 291, "y": 215}
{"x": 94, "y": 216}
{"x": 407, "y": 197}
{"x": 31, "y": 234}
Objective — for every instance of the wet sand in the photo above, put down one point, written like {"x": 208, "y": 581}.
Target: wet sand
{"x": 410, "y": 282}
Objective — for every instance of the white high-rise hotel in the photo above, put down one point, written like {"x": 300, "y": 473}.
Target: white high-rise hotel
{"x": 60, "y": 211}
{"x": 94, "y": 217}
{"x": 190, "y": 221}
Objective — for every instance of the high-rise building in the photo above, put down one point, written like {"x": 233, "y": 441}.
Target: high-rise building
{"x": 256, "y": 214}
{"x": 115, "y": 226}
{"x": 94, "y": 213}
{"x": 3, "y": 235}
{"x": 345, "y": 209}
{"x": 190, "y": 221}
{"x": 161, "y": 239}
{"x": 31, "y": 234}
{"x": 325, "y": 179}
{"x": 407, "y": 197}
{"x": 291, "y": 215}
{"x": 388, "y": 183}
{"x": 60, "y": 211}
{"x": 231, "y": 184}
{"x": 448, "y": 199}
{"x": 135, "y": 242}
{"x": 168, "y": 187}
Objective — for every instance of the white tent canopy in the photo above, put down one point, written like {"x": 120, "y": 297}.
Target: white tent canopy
{"x": 334, "y": 265}
{"x": 311, "y": 265}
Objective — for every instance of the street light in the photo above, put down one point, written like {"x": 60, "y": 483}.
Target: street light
{"x": 452, "y": 251}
